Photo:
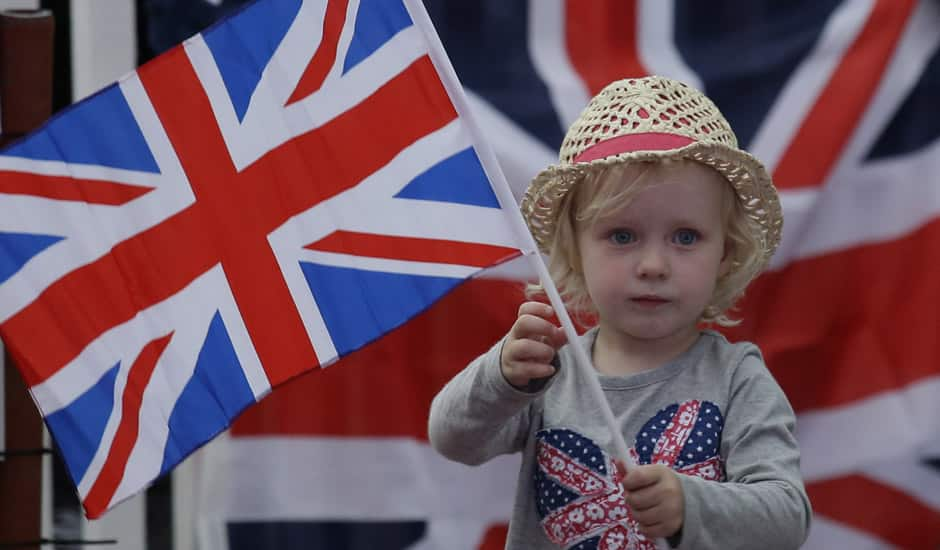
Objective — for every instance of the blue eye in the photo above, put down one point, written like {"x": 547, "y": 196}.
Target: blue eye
{"x": 622, "y": 236}
{"x": 685, "y": 237}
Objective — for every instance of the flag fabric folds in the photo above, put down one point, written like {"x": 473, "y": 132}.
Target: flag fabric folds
{"x": 275, "y": 193}
{"x": 838, "y": 98}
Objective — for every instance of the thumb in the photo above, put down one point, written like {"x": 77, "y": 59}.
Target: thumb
{"x": 620, "y": 470}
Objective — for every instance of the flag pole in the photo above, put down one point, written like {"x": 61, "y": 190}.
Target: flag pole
{"x": 508, "y": 202}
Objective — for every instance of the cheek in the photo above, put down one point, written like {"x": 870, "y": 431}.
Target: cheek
{"x": 592, "y": 280}
{"x": 702, "y": 272}
{"x": 603, "y": 279}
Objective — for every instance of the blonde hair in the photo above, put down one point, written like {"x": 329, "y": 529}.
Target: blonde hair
{"x": 601, "y": 192}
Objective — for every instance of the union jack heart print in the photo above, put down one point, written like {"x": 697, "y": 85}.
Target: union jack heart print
{"x": 579, "y": 497}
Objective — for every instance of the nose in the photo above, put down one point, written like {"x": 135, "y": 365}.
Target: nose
{"x": 652, "y": 264}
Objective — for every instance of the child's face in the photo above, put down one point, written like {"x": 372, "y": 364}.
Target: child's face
{"x": 650, "y": 267}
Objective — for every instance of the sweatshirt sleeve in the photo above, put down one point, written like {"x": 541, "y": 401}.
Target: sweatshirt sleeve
{"x": 478, "y": 414}
{"x": 763, "y": 501}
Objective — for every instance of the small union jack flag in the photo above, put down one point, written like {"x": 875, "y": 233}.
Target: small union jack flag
{"x": 269, "y": 196}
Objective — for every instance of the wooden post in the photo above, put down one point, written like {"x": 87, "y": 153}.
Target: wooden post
{"x": 25, "y": 103}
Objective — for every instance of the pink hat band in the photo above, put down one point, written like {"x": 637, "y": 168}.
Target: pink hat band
{"x": 647, "y": 141}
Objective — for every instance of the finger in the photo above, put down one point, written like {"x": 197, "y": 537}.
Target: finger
{"x": 537, "y": 329}
{"x": 554, "y": 335}
{"x": 538, "y": 309}
{"x": 639, "y": 477}
{"x": 527, "y": 326}
{"x": 557, "y": 336}
{"x": 520, "y": 372}
{"x": 620, "y": 470}
{"x": 526, "y": 350}
{"x": 556, "y": 339}
{"x": 644, "y": 499}
{"x": 661, "y": 513}
{"x": 528, "y": 371}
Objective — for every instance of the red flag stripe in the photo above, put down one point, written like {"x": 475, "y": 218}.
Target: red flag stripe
{"x": 228, "y": 223}
{"x": 322, "y": 61}
{"x": 69, "y": 189}
{"x": 112, "y": 472}
{"x": 601, "y": 40}
{"x": 396, "y": 365}
{"x": 414, "y": 249}
{"x": 879, "y": 509}
{"x": 829, "y": 125}
{"x": 828, "y": 326}
{"x": 495, "y": 537}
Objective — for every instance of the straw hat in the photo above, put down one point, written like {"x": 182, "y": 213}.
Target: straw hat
{"x": 649, "y": 119}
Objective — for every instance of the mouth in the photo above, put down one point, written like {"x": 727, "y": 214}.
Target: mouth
{"x": 649, "y": 301}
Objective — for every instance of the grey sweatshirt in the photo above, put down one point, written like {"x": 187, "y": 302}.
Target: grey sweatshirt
{"x": 714, "y": 414}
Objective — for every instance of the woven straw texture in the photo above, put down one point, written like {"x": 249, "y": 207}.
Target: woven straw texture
{"x": 654, "y": 105}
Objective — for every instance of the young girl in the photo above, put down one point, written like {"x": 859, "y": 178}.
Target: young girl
{"x": 654, "y": 223}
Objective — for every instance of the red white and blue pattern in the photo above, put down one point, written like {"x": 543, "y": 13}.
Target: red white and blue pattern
{"x": 838, "y": 99}
{"x": 269, "y": 196}
{"x": 686, "y": 437}
{"x": 579, "y": 496}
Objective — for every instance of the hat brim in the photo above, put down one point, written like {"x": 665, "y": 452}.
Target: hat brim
{"x": 746, "y": 174}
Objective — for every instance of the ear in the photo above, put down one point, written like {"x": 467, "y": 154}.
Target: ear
{"x": 727, "y": 259}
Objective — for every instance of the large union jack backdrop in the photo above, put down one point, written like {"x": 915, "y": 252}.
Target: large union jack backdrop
{"x": 271, "y": 195}
{"x": 839, "y": 98}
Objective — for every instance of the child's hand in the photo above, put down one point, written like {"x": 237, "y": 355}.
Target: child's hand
{"x": 531, "y": 344}
{"x": 654, "y": 493}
